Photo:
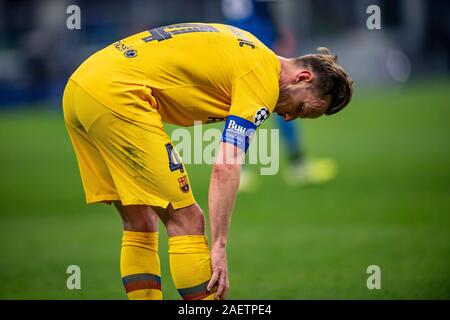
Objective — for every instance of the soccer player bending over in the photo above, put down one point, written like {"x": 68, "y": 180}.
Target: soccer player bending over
{"x": 115, "y": 105}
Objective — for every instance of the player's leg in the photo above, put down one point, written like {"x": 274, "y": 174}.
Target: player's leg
{"x": 190, "y": 261}
{"x": 95, "y": 134}
{"x": 139, "y": 218}
{"x": 147, "y": 170}
{"x": 182, "y": 221}
{"x": 139, "y": 259}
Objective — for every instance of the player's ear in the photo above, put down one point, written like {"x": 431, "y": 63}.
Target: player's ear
{"x": 305, "y": 76}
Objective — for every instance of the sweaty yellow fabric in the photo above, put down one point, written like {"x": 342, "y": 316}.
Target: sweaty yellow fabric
{"x": 187, "y": 72}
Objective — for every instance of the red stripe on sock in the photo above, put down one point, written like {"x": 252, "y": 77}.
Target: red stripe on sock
{"x": 144, "y": 284}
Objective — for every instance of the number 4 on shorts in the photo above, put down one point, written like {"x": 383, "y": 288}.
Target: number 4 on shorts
{"x": 174, "y": 161}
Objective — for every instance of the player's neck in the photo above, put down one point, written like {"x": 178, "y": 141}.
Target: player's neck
{"x": 287, "y": 69}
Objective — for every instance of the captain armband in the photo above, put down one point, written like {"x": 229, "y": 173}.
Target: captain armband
{"x": 238, "y": 131}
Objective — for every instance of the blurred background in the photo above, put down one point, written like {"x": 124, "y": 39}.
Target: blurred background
{"x": 388, "y": 205}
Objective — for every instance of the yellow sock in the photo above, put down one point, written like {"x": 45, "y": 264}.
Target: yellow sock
{"x": 139, "y": 265}
{"x": 190, "y": 265}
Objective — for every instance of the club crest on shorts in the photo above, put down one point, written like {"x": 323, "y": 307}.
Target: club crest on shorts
{"x": 184, "y": 185}
{"x": 261, "y": 115}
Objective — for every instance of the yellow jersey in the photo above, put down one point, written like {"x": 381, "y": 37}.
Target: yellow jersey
{"x": 188, "y": 72}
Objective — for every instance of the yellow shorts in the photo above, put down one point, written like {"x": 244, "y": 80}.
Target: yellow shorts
{"x": 121, "y": 159}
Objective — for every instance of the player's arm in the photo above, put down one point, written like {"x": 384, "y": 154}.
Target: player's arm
{"x": 222, "y": 195}
{"x": 252, "y": 92}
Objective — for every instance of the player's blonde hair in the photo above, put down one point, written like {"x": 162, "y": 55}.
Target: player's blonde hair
{"x": 331, "y": 79}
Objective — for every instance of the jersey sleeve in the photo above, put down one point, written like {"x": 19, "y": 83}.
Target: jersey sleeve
{"x": 254, "y": 96}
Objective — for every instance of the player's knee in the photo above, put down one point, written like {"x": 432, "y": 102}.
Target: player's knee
{"x": 194, "y": 219}
{"x": 187, "y": 221}
{"x": 198, "y": 217}
{"x": 139, "y": 218}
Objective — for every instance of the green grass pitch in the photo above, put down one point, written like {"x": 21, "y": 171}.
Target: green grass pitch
{"x": 389, "y": 206}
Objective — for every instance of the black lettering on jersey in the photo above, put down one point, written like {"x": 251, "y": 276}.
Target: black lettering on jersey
{"x": 242, "y": 38}
{"x": 214, "y": 119}
{"x": 243, "y": 42}
{"x": 166, "y": 32}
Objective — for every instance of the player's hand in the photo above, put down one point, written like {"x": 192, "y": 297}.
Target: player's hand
{"x": 219, "y": 276}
